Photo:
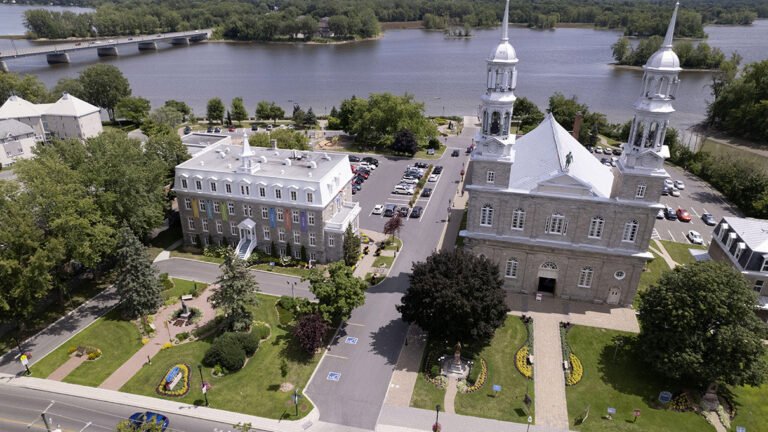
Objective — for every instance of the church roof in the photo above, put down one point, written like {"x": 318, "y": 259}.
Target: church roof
{"x": 16, "y": 107}
{"x": 69, "y": 105}
{"x": 541, "y": 155}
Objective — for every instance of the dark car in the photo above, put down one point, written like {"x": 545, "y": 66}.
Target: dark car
{"x": 708, "y": 219}
{"x": 670, "y": 213}
{"x": 217, "y": 130}
{"x": 357, "y": 186}
{"x": 426, "y": 192}
{"x": 358, "y": 180}
{"x": 416, "y": 212}
{"x": 389, "y": 210}
{"x": 209, "y": 130}
{"x": 420, "y": 165}
{"x": 354, "y": 158}
{"x": 254, "y": 127}
{"x": 403, "y": 211}
{"x": 665, "y": 191}
{"x": 616, "y": 152}
{"x": 187, "y": 130}
{"x": 354, "y": 190}
{"x": 141, "y": 419}
{"x": 370, "y": 160}
{"x": 363, "y": 174}
{"x": 437, "y": 170}
{"x": 455, "y": 153}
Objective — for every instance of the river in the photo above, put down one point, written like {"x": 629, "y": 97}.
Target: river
{"x": 446, "y": 74}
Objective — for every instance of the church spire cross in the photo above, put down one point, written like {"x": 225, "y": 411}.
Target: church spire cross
{"x": 505, "y": 23}
{"x": 670, "y": 30}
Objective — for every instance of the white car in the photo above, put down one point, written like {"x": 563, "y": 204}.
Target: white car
{"x": 410, "y": 181}
{"x": 695, "y": 237}
{"x": 598, "y": 149}
{"x": 378, "y": 209}
{"x": 669, "y": 184}
{"x": 660, "y": 214}
{"x": 433, "y": 177}
{"x": 679, "y": 184}
{"x": 403, "y": 189}
{"x": 675, "y": 192}
{"x": 367, "y": 165}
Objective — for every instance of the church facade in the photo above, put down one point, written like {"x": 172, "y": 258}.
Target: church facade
{"x": 555, "y": 219}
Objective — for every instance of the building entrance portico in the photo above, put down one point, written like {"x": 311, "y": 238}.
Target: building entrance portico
{"x": 547, "y": 278}
{"x": 247, "y": 238}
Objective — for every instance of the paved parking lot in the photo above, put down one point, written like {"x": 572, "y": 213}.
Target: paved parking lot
{"x": 698, "y": 198}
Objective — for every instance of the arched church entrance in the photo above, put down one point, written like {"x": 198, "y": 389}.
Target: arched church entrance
{"x": 547, "y": 278}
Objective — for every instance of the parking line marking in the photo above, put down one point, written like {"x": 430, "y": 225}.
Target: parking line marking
{"x": 655, "y": 234}
{"x": 337, "y": 356}
{"x": 671, "y": 235}
{"x": 705, "y": 211}
{"x": 694, "y": 212}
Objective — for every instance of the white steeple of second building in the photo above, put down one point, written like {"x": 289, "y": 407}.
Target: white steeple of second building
{"x": 246, "y": 157}
{"x": 494, "y": 138}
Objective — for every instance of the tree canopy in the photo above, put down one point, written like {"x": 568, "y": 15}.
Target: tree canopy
{"x": 701, "y": 56}
{"x": 104, "y": 86}
{"x": 699, "y": 324}
{"x": 351, "y": 246}
{"x": 239, "y": 113}
{"x": 235, "y": 291}
{"x": 456, "y": 297}
{"x": 266, "y": 110}
{"x": 215, "y": 110}
{"x": 136, "y": 283}
{"x": 741, "y": 103}
{"x": 134, "y": 109}
{"x": 565, "y": 111}
{"x": 339, "y": 293}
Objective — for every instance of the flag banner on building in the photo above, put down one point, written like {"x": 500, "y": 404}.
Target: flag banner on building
{"x": 224, "y": 212}
{"x": 209, "y": 209}
{"x": 303, "y": 221}
{"x": 288, "y": 219}
{"x": 195, "y": 206}
{"x": 272, "y": 217}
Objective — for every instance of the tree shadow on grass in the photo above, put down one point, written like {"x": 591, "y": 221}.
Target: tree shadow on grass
{"x": 291, "y": 350}
{"x": 621, "y": 365}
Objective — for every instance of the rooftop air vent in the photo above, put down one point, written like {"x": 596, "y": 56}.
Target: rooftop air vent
{"x": 287, "y": 162}
{"x": 312, "y": 164}
{"x": 202, "y": 163}
{"x": 309, "y": 174}
{"x": 263, "y": 159}
{"x": 229, "y": 166}
{"x": 326, "y": 156}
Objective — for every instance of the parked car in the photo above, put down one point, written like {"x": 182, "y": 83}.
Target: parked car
{"x": 357, "y": 187}
{"x": 430, "y": 151}
{"x": 354, "y": 189}
{"x": 353, "y": 158}
{"x": 426, "y": 192}
{"x": 210, "y": 129}
{"x": 433, "y": 178}
{"x": 403, "y": 211}
{"x": 420, "y": 165}
{"x": 141, "y": 420}
{"x": 708, "y": 219}
{"x": 660, "y": 214}
{"x": 378, "y": 209}
{"x": 616, "y": 152}
{"x": 598, "y": 149}
{"x": 402, "y": 189}
{"x": 683, "y": 215}
{"x": 604, "y": 160}
{"x": 674, "y": 192}
{"x": 469, "y": 149}
{"x": 231, "y": 129}
{"x": 416, "y": 212}
{"x": 679, "y": 184}
{"x": 694, "y": 237}
{"x": 389, "y": 210}
{"x": 269, "y": 127}
{"x": 437, "y": 170}
{"x": 665, "y": 191}
{"x": 408, "y": 180}
{"x": 370, "y": 160}
{"x": 368, "y": 166}
{"x": 217, "y": 130}
{"x": 187, "y": 130}
{"x": 455, "y": 153}
{"x": 670, "y": 213}
{"x": 254, "y": 127}
{"x": 668, "y": 183}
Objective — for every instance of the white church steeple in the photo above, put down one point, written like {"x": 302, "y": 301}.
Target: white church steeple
{"x": 653, "y": 106}
{"x": 494, "y": 138}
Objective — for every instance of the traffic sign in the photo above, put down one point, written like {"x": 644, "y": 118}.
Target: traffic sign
{"x": 496, "y": 388}
{"x": 665, "y": 397}
{"x": 24, "y": 360}
{"x": 741, "y": 429}
{"x": 636, "y": 412}
{"x": 611, "y": 410}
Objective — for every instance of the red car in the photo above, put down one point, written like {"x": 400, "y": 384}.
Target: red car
{"x": 232, "y": 129}
{"x": 683, "y": 215}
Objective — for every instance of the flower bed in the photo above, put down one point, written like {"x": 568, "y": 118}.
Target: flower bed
{"x": 480, "y": 381}
{"x": 437, "y": 379}
{"x": 574, "y": 374}
{"x": 182, "y": 387}
{"x": 521, "y": 361}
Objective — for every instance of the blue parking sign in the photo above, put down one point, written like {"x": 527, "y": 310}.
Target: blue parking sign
{"x": 333, "y": 376}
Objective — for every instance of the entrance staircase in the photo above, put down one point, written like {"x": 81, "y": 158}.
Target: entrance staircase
{"x": 244, "y": 248}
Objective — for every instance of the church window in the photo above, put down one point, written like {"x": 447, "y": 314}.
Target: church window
{"x": 485, "y": 123}
{"x": 506, "y": 123}
{"x": 486, "y": 215}
{"x": 630, "y": 231}
{"x": 585, "y": 277}
{"x": 640, "y": 191}
{"x": 556, "y": 224}
{"x": 490, "y": 176}
{"x": 518, "y": 219}
{"x": 495, "y": 123}
{"x": 510, "y": 270}
{"x": 596, "y": 227}
{"x": 651, "y": 138}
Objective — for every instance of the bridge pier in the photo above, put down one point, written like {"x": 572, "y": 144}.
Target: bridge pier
{"x": 57, "y": 58}
{"x": 3, "y": 66}
{"x": 147, "y": 46}
{"x": 180, "y": 41}
{"x": 107, "y": 51}
{"x": 199, "y": 37}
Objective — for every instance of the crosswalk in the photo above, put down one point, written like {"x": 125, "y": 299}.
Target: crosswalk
{"x": 655, "y": 235}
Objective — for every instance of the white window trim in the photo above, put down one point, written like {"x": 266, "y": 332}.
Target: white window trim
{"x": 228, "y": 188}
{"x": 296, "y": 216}
{"x": 585, "y": 277}
{"x": 191, "y": 223}
{"x": 267, "y": 234}
{"x": 204, "y": 224}
{"x": 280, "y": 215}
{"x": 312, "y": 239}
{"x": 510, "y": 270}
{"x": 296, "y": 237}
{"x": 184, "y": 183}
{"x": 518, "y": 219}
{"x": 331, "y": 240}
{"x": 596, "y": 226}
{"x": 216, "y": 207}
{"x": 490, "y": 176}
{"x": 486, "y": 215}
{"x": 233, "y": 229}
{"x": 264, "y": 213}
{"x": 293, "y": 195}
{"x": 310, "y": 197}
{"x": 281, "y": 235}
{"x": 231, "y": 208}
{"x": 219, "y": 227}
{"x": 631, "y": 229}
{"x": 640, "y": 191}
{"x": 262, "y": 192}
{"x": 311, "y": 218}
{"x": 556, "y": 224}
{"x": 212, "y": 185}
{"x": 764, "y": 267}
{"x": 187, "y": 204}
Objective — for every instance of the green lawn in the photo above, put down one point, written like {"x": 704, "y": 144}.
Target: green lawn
{"x": 500, "y": 356}
{"x": 196, "y": 256}
{"x": 751, "y": 409}
{"x": 117, "y": 339}
{"x": 679, "y": 251}
{"x": 425, "y": 394}
{"x": 182, "y": 287}
{"x": 396, "y": 244}
{"x": 382, "y": 260}
{"x": 648, "y": 278}
{"x": 254, "y": 389}
{"x": 624, "y": 383}
{"x": 292, "y": 271}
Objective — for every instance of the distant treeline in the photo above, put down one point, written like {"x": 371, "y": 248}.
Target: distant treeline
{"x": 701, "y": 56}
{"x": 272, "y": 19}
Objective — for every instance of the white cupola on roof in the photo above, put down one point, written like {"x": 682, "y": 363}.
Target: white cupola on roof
{"x": 665, "y": 58}
{"x": 504, "y": 51}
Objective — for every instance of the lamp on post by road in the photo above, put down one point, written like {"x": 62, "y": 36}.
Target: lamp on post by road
{"x": 436, "y": 427}
{"x": 292, "y": 284}
{"x": 203, "y": 384}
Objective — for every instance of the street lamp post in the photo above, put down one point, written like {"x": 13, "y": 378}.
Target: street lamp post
{"x": 202, "y": 384}
{"x": 436, "y": 426}
{"x": 292, "y": 284}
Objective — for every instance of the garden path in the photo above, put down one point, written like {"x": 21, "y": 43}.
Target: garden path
{"x": 548, "y": 376}
{"x": 125, "y": 372}
{"x": 67, "y": 368}
{"x": 365, "y": 265}
{"x": 450, "y": 395}
{"x": 664, "y": 254}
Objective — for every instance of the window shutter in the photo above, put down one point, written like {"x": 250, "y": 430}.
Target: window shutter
{"x": 546, "y": 226}
{"x": 565, "y": 226}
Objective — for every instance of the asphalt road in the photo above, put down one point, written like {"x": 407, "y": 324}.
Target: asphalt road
{"x": 20, "y": 407}
{"x": 364, "y": 368}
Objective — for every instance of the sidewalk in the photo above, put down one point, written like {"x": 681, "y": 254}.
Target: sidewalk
{"x": 662, "y": 251}
{"x": 365, "y": 265}
{"x": 164, "y": 333}
{"x": 407, "y": 368}
{"x": 548, "y": 376}
{"x": 400, "y": 419}
{"x": 166, "y": 253}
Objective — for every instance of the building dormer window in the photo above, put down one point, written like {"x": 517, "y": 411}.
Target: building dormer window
{"x": 198, "y": 185}
{"x": 758, "y": 287}
{"x": 228, "y": 188}
{"x": 640, "y": 191}
{"x": 630, "y": 231}
{"x": 731, "y": 239}
{"x": 278, "y": 194}
{"x": 740, "y": 247}
{"x": 764, "y": 267}
{"x": 556, "y": 224}
{"x": 294, "y": 195}
{"x": 486, "y": 215}
{"x": 518, "y": 219}
{"x": 262, "y": 192}
{"x": 245, "y": 190}
{"x": 596, "y": 227}
{"x": 310, "y": 197}
{"x": 490, "y": 176}
{"x": 213, "y": 186}
{"x": 184, "y": 183}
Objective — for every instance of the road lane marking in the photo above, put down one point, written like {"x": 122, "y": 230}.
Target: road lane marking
{"x": 705, "y": 211}
{"x": 671, "y": 235}
{"x": 337, "y": 356}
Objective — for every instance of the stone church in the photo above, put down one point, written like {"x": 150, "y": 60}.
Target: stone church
{"x": 556, "y": 220}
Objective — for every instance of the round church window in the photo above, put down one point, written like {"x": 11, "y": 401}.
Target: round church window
{"x": 619, "y": 275}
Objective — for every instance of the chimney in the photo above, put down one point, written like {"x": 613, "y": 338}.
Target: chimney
{"x": 577, "y": 125}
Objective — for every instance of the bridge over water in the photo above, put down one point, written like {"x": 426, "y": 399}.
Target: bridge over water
{"x": 59, "y": 52}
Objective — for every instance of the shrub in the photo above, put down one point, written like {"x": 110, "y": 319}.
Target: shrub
{"x": 283, "y": 368}
{"x": 166, "y": 281}
{"x": 218, "y": 370}
{"x": 230, "y": 356}
{"x": 521, "y": 361}
{"x": 249, "y": 342}
{"x": 94, "y": 355}
{"x": 182, "y": 336}
{"x": 166, "y": 346}
{"x": 482, "y": 377}
{"x": 573, "y": 375}
{"x": 216, "y": 251}
{"x": 71, "y": 350}
{"x": 309, "y": 332}
{"x": 434, "y": 370}
{"x": 299, "y": 306}
{"x": 261, "y": 329}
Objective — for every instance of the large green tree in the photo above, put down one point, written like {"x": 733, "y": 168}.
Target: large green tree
{"x": 565, "y": 111}
{"x": 72, "y": 86}
{"x": 215, "y": 110}
{"x": 351, "y": 247}
{"x": 104, "y": 86}
{"x": 339, "y": 293}
{"x": 239, "y": 113}
{"x": 286, "y": 139}
{"x": 165, "y": 116}
{"x": 235, "y": 291}
{"x": 166, "y": 147}
{"x": 136, "y": 283}
{"x": 741, "y": 106}
{"x": 375, "y": 121}
{"x": 134, "y": 109}
{"x": 266, "y": 110}
{"x": 528, "y": 114}
{"x": 456, "y": 297}
{"x": 698, "y": 324}
{"x": 27, "y": 87}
